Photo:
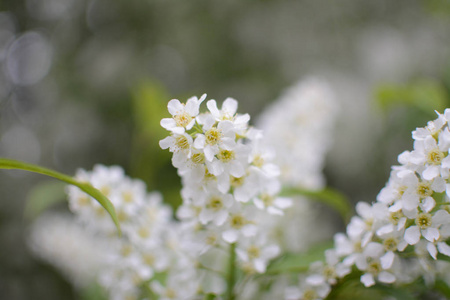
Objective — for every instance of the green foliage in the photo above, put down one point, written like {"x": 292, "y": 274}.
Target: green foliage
{"x": 298, "y": 262}
{"x": 93, "y": 292}
{"x": 426, "y": 95}
{"x": 42, "y": 196}
{"x": 328, "y": 196}
{"x": 84, "y": 186}
{"x": 147, "y": 161}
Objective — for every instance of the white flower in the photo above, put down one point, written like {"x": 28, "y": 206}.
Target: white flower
{"x": 228, "y": 112}
{"x": 427, "y": 225}
{"x": 239, "y": 223}
{"x": 183, "y": 116}
{"x": 214, "y": 137}
{"x": 256, "y": 252}
{"x": 376, "y": 263}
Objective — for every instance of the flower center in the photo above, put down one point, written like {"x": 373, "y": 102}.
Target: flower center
{"x": 215, "y": 203}
{"x": 198, "y": 158}
{"x": 390, "y": 244}
{"x": 127, "y": 197}
{"x": 143, "y": 232}
{"x": 435, "y": 157}
{"x": 329, "y": 272}
{"x": 182, "y": 119}
{"x": 395, "y": 217}
{"x": 374, "y": 267}
{"x": 258, "y": 161}
{"x": 226, "y": 155}
{"x": 237, "y": 221}
{"x": 213, "y": 136}
{"x": 148, "y": 259}
{"x": 253, "y": 252}
{"x": 267, "y": 199}
{"x": 83, "y": 200}
{"x": 310, "y": 295}
{"x": 236, "y": 181}
{"x": 182, "y": 142}
{"x": 424, "y": 190}
{"x": 423, "y": 220}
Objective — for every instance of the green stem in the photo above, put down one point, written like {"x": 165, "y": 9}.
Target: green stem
{"x": 84, "y": 186}
{"x": 231, "y": 273}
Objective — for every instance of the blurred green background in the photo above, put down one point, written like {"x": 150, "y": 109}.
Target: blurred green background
{"x": 87, "y": 81}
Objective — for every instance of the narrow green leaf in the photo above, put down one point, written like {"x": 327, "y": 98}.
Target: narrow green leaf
{"x": 328, "y": 196}
{"x": 298, "y": 262}
{"x": 84, "y": 186}
{"x": 42, "y": 196}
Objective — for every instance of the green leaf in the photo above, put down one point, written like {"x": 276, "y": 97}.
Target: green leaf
{"x": 42, "y": 196}
{"x": 84, "y": 186}
{"x": 328, "y": 196}
{"x": 298, "y": 262}
{"x": 427, "y": 96}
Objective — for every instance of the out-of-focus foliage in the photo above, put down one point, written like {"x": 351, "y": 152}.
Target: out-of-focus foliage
{"x": 426, "y": 96}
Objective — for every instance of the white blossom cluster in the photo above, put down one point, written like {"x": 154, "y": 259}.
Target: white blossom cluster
{"x": 153, "y": 254}
{"x": 230, "y": 186}
{"x": 59, "y": 240}
{"x": 399, "y": 237}
{"x": 298, "y": 126}
{"x": 298, "y": 129}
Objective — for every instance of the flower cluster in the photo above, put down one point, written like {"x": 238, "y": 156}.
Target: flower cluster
{"x": 152, "y": 243}
{"x": 59, "y": 240}
{"x": 401, "y": 236}
{"x": 298, "y": 128}
{"x": 229, "y": 188}
{"x": 229, "y": 183}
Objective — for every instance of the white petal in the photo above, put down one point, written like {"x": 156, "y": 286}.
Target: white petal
{"x": 443, "y": 248}
{"x": 315, "y": 279}
{"x": 199, "y": 142}
{"x": 430, "y": 172}
{"x": 270, "y": 251}
{"x": 260, "y": 265}
{"x": 432, "y": 250}
{"x": 168, "y": 123}
{"x": 220, "y": 218}
{"x": 387, "y": 260}
{"x": 167, "y": 142}
{"x": 412, "y": 235}
{"x": 212, "y": 106}
{"x": 274, "y": 211}
{"x": 175, "y": 107}
{"x": 230, "y": 236}
{"x": 367, "y": 280}
{"x": 438, "y": 184}
{"x": 385, "y": 229}
{"x": 428, "y": 204}
{"x": 192, "y": 106}
{"x": 209, "y": 152}
{"x": 441, "y": 217}
{"x": 283, "y": 202}
{"x": 431, "y": 234}
{"x": 230, "y": 106}
{"x": 386, "y": 277}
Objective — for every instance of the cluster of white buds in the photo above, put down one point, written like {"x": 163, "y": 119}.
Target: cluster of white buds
{"x": 229, "y": 182}
{"x": 401, "y": 236}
